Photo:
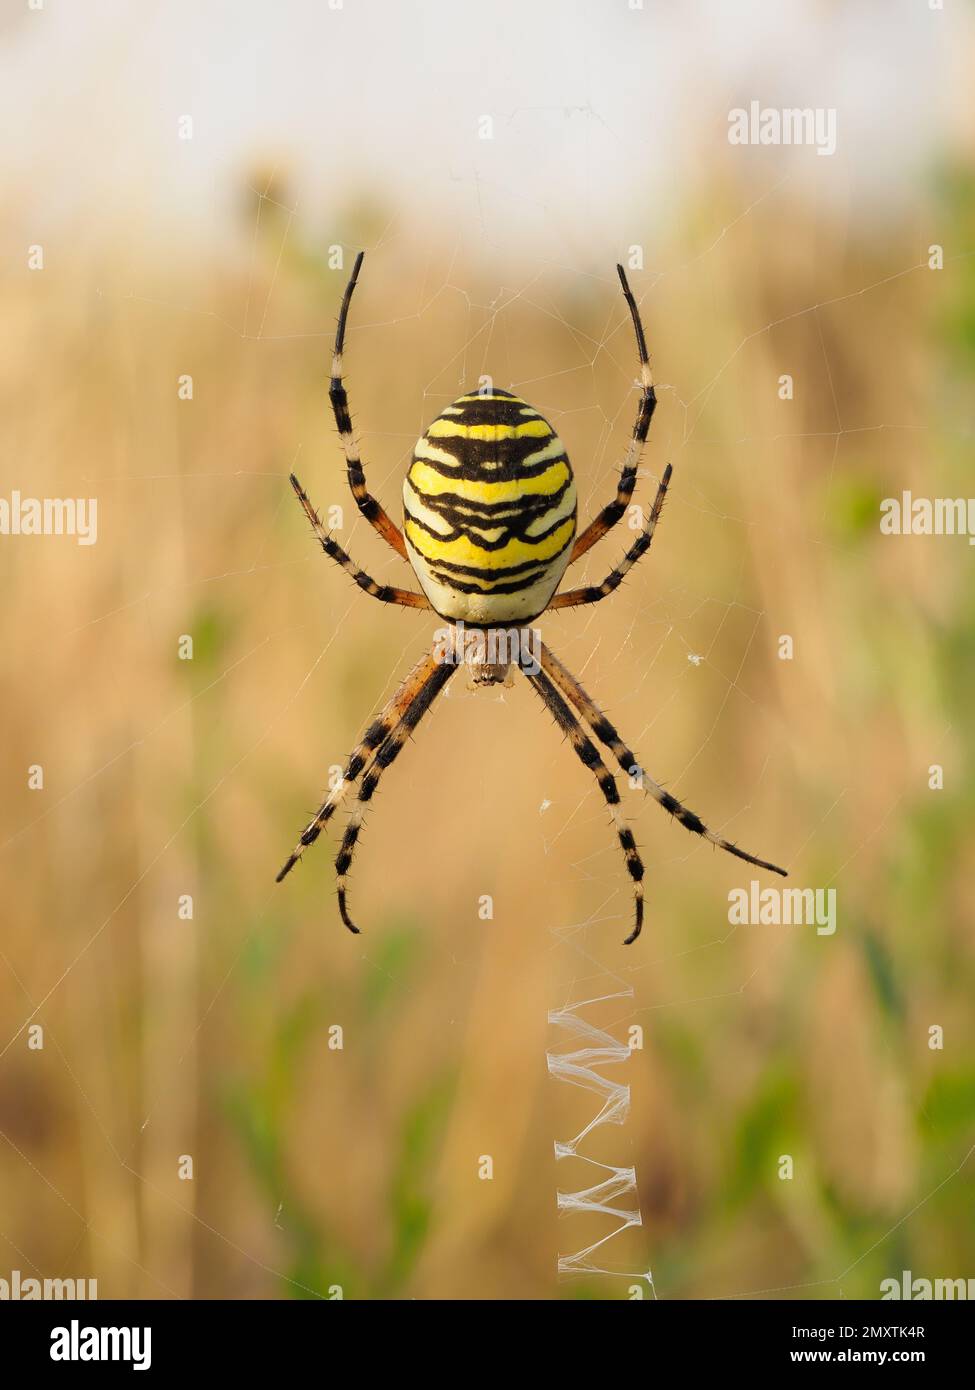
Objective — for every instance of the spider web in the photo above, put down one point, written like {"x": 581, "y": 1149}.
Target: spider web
{"x": 683, "y": 667}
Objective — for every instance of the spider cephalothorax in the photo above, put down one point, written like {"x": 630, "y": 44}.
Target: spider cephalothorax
{"x": 490, "y": 528}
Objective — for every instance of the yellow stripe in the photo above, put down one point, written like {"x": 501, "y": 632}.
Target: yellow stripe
{"x": 553, "y": 449}
{"x": 463, "y": 551}
{"x": 450, "y": 429}
{"x": 429, "y": 483}
{"x": 424, "y": 450}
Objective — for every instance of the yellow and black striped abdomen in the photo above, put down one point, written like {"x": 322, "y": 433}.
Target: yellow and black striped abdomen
{"x": 490, "y": 510}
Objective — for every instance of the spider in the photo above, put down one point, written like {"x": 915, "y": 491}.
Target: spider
{"x": 490, "y": 529}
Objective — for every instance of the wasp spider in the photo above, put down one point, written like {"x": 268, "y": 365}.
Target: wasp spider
{"x": 490, "y": 529}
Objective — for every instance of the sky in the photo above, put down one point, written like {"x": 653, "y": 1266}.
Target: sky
{"x": 598, "y": 109}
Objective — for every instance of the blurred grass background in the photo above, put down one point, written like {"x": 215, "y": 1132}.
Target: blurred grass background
{"x": 315, "y": 1166}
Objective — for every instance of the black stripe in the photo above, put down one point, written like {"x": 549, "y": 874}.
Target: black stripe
{"x": 472, "y": 534}
{"x": 471, "y": 444}
{"x": 473, "y": 472}
{"x": 513, "y": 528}
{"x": 461, "y": 586}
{"x": 450, "y": 503}
{"x": 647, "y": 406}
{"x": 475, "y": 573}
{"x": 505, "y": 451}
{"x": 491, "y": 410}
{"x": 514, "y": 521}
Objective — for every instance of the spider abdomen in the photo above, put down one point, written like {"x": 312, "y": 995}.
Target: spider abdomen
{"x": 490, "y": 510}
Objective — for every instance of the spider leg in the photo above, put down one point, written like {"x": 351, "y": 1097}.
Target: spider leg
{"x": 572, "y": 598}
{"x": 373, "y": 738}
{"x": 588, "y": 755}
{"x": 611, "y": 514}
{"x": 385, "y": 754}
{"x": 367, "y": 504}
{"x": 608, "y": 735}
{"x": 386, "y": 593}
